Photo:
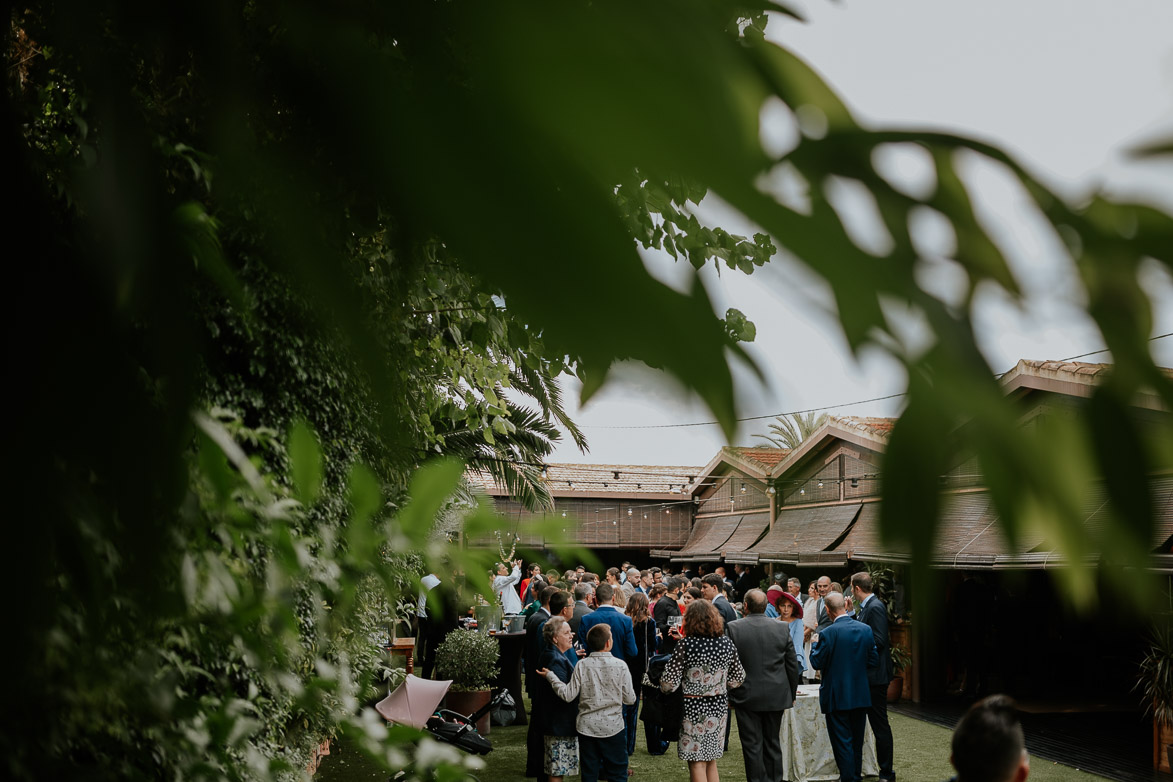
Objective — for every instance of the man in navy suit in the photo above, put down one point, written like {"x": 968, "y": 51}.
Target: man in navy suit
{"x": 844, "y": 653}
{"x": 712, "y": 589}
{"x": 622, "y": 633}
{"x": 874, "y": 614}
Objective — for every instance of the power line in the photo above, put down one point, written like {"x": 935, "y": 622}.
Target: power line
{"x": 751, "y": 418}
{"x": 827, "y": 407}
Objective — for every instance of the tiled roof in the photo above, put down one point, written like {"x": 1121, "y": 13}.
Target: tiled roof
{"x": 589, "y": 479}
{"x": 1078, "y": 371}
{"x": 879, "y": 427}
{"x": 1069, "y": 368}
{"x": 766, "y": 456}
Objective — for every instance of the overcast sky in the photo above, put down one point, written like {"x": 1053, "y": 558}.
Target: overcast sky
{"x": 1066, "y": 86}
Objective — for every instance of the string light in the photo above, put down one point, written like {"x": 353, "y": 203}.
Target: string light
{"x": 820, "y": 484}
{"x": 630, "y": 511}
{"x": 743, "y": 488}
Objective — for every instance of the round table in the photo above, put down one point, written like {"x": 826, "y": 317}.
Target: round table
{"x": 806, "y": 746}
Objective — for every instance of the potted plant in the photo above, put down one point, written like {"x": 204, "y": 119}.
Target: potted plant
{"x": 901, "y": 659}
{"x": 469, "y": 659}
{"x": 1155, "y": 683}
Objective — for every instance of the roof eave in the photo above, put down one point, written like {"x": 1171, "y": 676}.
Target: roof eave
{"x": 830, "y": 430}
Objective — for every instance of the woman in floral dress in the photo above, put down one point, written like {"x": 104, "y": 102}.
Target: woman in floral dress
{"x": 705, "y": 664}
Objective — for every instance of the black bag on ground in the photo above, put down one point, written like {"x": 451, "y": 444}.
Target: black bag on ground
{"x": 665, "y": 709}
{"x": 504, "y": 710}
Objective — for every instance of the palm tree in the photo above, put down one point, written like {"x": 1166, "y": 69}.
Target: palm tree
{"x": 513, "y": 454}
{"x": 791, "y": 430}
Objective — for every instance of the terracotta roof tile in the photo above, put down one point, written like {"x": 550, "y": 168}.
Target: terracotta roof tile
{"x": 1079, "y": 369}
{"x": 879, "y": 427}
{"x": 766, "y": 456}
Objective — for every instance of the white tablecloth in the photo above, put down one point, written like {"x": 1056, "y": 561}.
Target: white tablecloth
{"x": 806, "y": 747}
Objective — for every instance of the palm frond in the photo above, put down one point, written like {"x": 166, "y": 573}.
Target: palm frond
{"x": 545, "y": 390}
{"x": 790, "y": 431}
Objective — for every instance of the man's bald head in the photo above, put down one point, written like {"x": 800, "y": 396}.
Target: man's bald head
{"x": 755, "y": 601}
{"x": 834, "y": 603}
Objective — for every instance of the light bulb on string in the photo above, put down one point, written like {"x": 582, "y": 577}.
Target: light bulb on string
{"x": 800, "y": 491}
{"x": 820, "y": 484}
{"x": 629, "y": 511}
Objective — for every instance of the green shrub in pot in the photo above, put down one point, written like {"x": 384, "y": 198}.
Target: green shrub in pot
{"x": 469, "y": 659}
{"x": 1155, "y": 683}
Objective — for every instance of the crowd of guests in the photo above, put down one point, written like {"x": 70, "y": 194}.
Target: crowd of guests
{"x": 694, "y": 648}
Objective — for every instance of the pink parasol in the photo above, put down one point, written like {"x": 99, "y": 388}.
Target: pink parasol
{"x": 413, "y": 702}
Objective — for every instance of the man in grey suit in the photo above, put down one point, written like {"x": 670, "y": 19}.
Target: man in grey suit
{"x": 824, "y": 618}
{"x": 771, "y": 682}
{"x": 582, "y": 594}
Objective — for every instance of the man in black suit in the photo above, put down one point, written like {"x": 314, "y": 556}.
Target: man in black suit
{"x": 535, "y": 745}
{"x": 713, "y": 590}
{"x": 744, "y": 582}
{"x": 771, "y": 682}
{"x": 874, "y": 614}
{"x": 582, "y": 606}
{"x": 666, "y": 608}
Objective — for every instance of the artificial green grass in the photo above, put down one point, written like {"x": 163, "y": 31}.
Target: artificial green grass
{"x": 922, "y": 755}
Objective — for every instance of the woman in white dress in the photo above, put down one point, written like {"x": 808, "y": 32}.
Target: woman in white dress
{"x": 503, "y": 587}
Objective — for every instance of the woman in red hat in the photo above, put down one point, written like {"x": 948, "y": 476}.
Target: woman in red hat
{"x": 790, "y": 612}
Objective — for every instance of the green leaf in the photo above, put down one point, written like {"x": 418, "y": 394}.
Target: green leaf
{"x": 430, "y": 487}
{"x": 305, "y": 458}
{"x": 740, "y": 328}
{"x": 364, "y": 493}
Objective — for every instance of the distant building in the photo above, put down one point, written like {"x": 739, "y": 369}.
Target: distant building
{"x": 623, "y": 511}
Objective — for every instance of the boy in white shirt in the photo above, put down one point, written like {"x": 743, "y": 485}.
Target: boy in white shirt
{"x": 602, "y": 684}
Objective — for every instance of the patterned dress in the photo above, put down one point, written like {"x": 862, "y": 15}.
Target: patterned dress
{"x": 705, "y": 668}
